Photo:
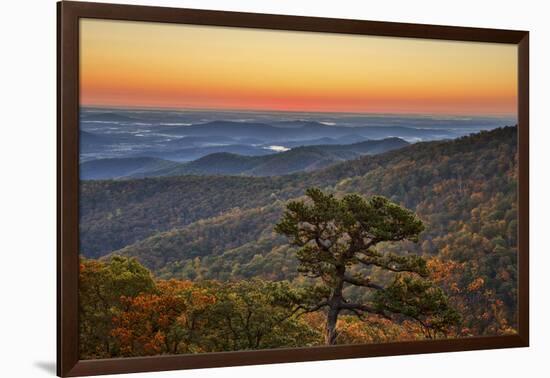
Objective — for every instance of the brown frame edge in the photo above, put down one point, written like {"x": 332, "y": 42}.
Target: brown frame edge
{"x": 68, "y": 15}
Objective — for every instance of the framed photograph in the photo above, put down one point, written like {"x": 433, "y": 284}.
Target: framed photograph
{"x": 238, "y": 188}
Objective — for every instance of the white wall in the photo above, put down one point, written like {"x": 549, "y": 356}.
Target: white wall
{"x": 27, "y": 211}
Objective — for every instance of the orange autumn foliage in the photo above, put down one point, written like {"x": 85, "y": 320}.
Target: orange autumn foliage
{"x": 148, "y": 323}
{"x": 482, "y": 311}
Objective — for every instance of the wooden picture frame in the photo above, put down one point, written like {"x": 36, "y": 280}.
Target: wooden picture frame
{"x": 69, "y": 14}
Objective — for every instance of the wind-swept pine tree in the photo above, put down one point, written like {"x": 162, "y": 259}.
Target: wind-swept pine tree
{"x": 337, "y": 236}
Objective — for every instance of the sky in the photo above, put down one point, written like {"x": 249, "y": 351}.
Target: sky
{"x": 155, "y": 65}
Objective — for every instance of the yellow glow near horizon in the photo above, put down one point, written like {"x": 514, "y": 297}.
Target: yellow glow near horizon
{"x": 147, "y": 64}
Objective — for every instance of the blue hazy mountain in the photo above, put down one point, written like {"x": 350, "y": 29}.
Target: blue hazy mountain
{"x": 185, "y": 136}
{"x": 306, "y": 131}
{"x": 116, "y": 168}
{"x": 299, "y": 159}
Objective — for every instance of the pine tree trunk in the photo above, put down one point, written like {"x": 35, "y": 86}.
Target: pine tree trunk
{"x": 330, "y": 329}
{"x": 335, "y": 302}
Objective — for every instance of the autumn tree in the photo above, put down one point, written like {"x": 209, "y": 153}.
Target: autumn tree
{"x": 258, "y": 314}
{"x": 144, "y": 325}
{"x": 339, "y": 236}
{"x": 102, "y": 284}
{"x": 165, "y": 321}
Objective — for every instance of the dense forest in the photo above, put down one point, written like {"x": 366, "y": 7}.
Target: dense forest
{"x": 203, "y": 247}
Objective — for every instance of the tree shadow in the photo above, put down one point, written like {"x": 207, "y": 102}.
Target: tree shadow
{"x": 47, "y": 366}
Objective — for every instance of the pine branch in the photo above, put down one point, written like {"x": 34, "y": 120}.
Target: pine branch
{"x": 361, "y": 309}
{"x": 395, "y": 263}
{"x": 362, "y": 282}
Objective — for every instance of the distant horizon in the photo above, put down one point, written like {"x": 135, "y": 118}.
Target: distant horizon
{"x": 238, "y": 110}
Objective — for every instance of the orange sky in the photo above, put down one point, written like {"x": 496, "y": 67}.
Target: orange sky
{"x": 185, "y": 66}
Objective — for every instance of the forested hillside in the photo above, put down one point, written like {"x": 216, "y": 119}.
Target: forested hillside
{"x": 221, "y": 228}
